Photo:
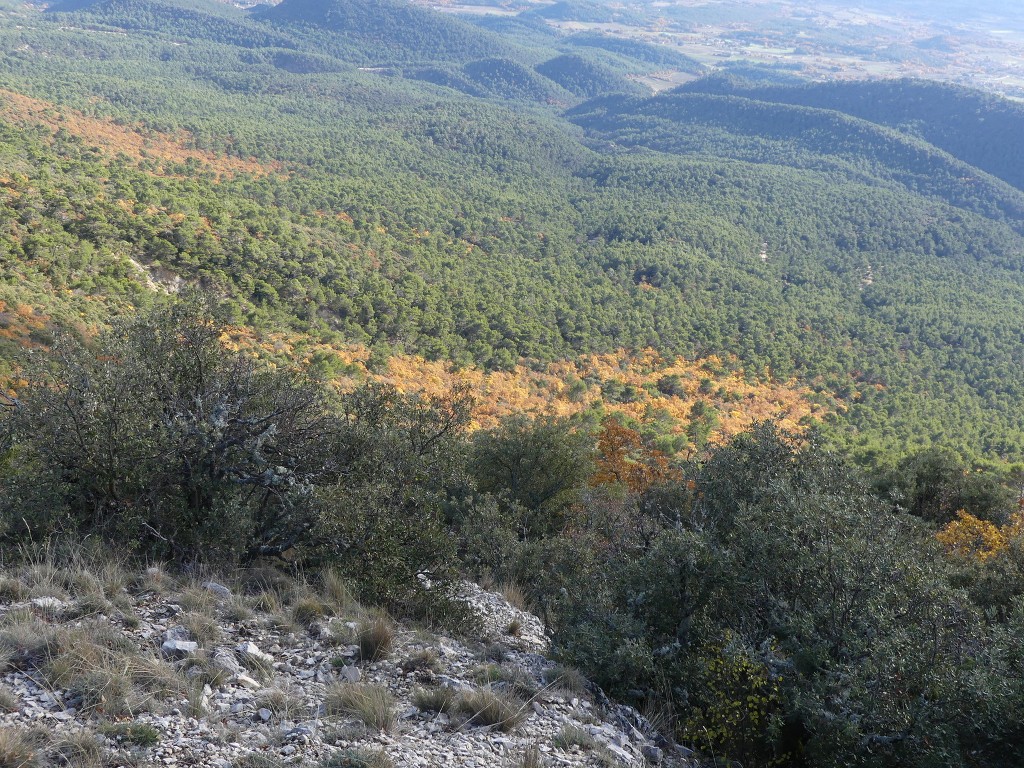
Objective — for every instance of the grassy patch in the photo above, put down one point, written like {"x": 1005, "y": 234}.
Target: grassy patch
{"x": 359, "y": 758}
{"x": 136, "y": 734}
{"x": 76, "y": 750}
{"x": 20, "y": 748}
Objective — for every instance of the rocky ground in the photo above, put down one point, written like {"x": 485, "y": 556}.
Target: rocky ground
{"x": 106, "y": 669}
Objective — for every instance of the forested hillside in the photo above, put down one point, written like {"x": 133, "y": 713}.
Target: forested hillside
{"x": 375, "y": 174}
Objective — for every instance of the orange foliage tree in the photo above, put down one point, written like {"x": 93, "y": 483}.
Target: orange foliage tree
{"x": 623, "y": 458}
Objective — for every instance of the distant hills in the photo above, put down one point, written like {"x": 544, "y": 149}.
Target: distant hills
{"x": 977, "y": 127}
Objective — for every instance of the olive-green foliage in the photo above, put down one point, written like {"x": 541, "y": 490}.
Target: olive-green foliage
{"x": 395, "y": 459}
{"x": 788, "y": 612}
{"x": 934, "y": 484}
{"x": 160, "y": 442}
{"x": 540, "y": 464}
{"x": 159, "y": 439}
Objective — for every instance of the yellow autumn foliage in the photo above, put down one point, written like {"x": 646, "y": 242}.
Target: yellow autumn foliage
{"x": 565, "y": 387}
{"x": 977, "y": 539}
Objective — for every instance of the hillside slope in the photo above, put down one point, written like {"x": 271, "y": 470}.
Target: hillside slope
{"x": 227, "y": 683}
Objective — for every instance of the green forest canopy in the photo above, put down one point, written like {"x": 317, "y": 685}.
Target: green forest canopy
{"x": 377, "y": 207}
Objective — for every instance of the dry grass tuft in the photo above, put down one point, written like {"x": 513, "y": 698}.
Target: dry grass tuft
{"x": 12, "y": 590}
{"x": 237, "y": 610}
{"x": 513, "y": 595}
{"x": 337, "y": 593}
{"x": 258, "y": 581}
{"x": 376, "y": 639}
{"x": 425, "y": 659}
{"x": 9, "y": 701}
{"x": 25, "y": 640}
{"x": 202, "y": 627}
{"x": 154, "y": 579}
{"x": 359, "y": 758}
{"x": 104, "y": 667}
{"x": 308, "y": 609}
{"x": 514, "y": 681}
{"x": 434, "y": 699}
{"x": 568, "y": 679}
{"x": 197, "y": 600}
{"x": 76, "y": 750}
{"x": 494, "y": 652}
{"x": 373, "y": 705}
{"x": 531, "y": 758}
{"x": 488, "y": 706}
{"x": 199, "y": 667}
{"x": 573, "y": 736}
{"x": 19, "y": 749}
{"x": 283, "y": 704}
{"x": 257, "y": 760}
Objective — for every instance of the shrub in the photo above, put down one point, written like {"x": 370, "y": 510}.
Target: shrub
{"x": 160, "y": 438}
{"x": 539, "y": 464}
{"x": 376, "y": 527}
